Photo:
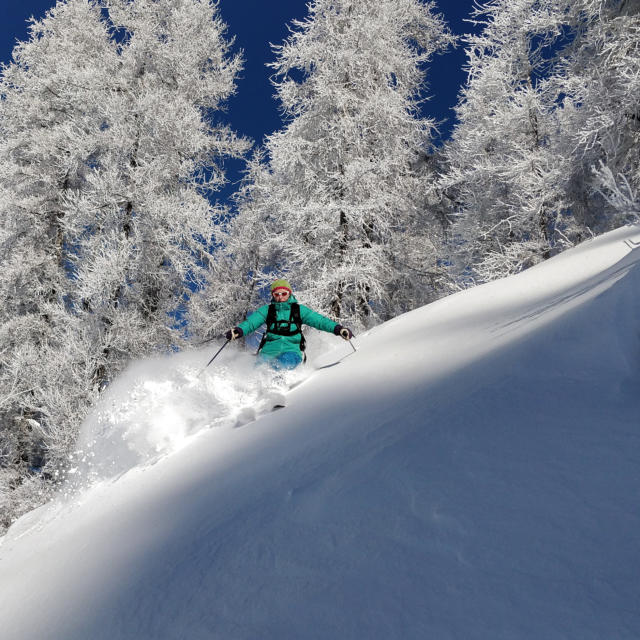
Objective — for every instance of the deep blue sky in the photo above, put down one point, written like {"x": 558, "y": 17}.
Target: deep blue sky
{"x": 256, "y": 23}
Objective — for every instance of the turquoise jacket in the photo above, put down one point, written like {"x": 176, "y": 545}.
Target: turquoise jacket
{"x": 274, "y": 344}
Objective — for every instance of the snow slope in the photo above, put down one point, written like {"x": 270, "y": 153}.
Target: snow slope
{"x": 472, "y": 472}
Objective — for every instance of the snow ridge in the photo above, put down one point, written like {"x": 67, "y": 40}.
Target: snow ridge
{"x": 471, "y": 472}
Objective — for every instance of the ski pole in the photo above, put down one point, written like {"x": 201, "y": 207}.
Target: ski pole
{"x": 351, "y": 343}
{"x": 214, "y": 357}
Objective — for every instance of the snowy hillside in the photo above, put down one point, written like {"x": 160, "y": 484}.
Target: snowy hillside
{"x": 472, "y": 472}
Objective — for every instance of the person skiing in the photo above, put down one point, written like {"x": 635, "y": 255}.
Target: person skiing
{"x": 283, "y": 344}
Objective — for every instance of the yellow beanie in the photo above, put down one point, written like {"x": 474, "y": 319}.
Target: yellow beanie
{"x": 281, "y": 284}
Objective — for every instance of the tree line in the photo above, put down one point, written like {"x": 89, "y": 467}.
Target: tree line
{"x": 112, "y": 149}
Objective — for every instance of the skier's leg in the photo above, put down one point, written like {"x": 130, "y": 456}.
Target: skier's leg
{"x": 287, "y": 361}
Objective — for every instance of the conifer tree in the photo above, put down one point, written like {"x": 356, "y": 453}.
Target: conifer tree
{"x": 338, "y": 189}
{"x": 545, "y": 152}
{"x": 502, "y": 173}
{"x": 49, "y": 117}
{"x": 152, "y": 218}
{"x": 247, "y": 258}
{"x": 597, "y": 89}
{"x": 110, "y": 153}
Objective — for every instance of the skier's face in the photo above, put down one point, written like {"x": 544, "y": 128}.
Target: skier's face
{"x": 280, "y": 295}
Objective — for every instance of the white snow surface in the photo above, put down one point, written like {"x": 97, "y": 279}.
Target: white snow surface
{"x": 471, "y": 472}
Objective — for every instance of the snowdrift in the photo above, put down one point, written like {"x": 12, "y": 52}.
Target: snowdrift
{"x": 471, "y": 472}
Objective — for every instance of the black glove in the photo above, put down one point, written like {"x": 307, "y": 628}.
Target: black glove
{"x": 343, "y": 332}
{"x": 234, "y": 333}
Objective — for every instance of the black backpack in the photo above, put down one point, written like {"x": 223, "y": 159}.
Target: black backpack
{"x": 290, "y": 327}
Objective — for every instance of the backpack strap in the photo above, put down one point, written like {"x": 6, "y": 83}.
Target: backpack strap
{"x": 297, "y": 320}
{"x": 271, "y": 318}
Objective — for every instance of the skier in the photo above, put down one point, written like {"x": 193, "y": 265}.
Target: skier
{"x": 283, "y": 344}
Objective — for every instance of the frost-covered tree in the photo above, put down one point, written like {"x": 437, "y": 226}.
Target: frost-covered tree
{"x": 546, "y": 149}
{"x": 48, "y": 121}
{"x": 597, "y": 90}
{"x": 502, "y": 175}
{"x": 111, "y": 149}
{"x": 247, "y": 257}
{"x": 151, "y": 220}
{"x": 339, "y": 188}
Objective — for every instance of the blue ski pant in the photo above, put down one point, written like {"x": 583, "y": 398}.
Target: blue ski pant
{"x": 287, "y": 360}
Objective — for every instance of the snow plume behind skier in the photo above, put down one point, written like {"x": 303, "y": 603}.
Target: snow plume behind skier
{"x": 157, "y": 405}
{"x": 283, "y": 343}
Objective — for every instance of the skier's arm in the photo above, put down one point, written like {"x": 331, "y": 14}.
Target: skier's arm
{"x": 317, "y": 320}
{"x": 256, "y": 319}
